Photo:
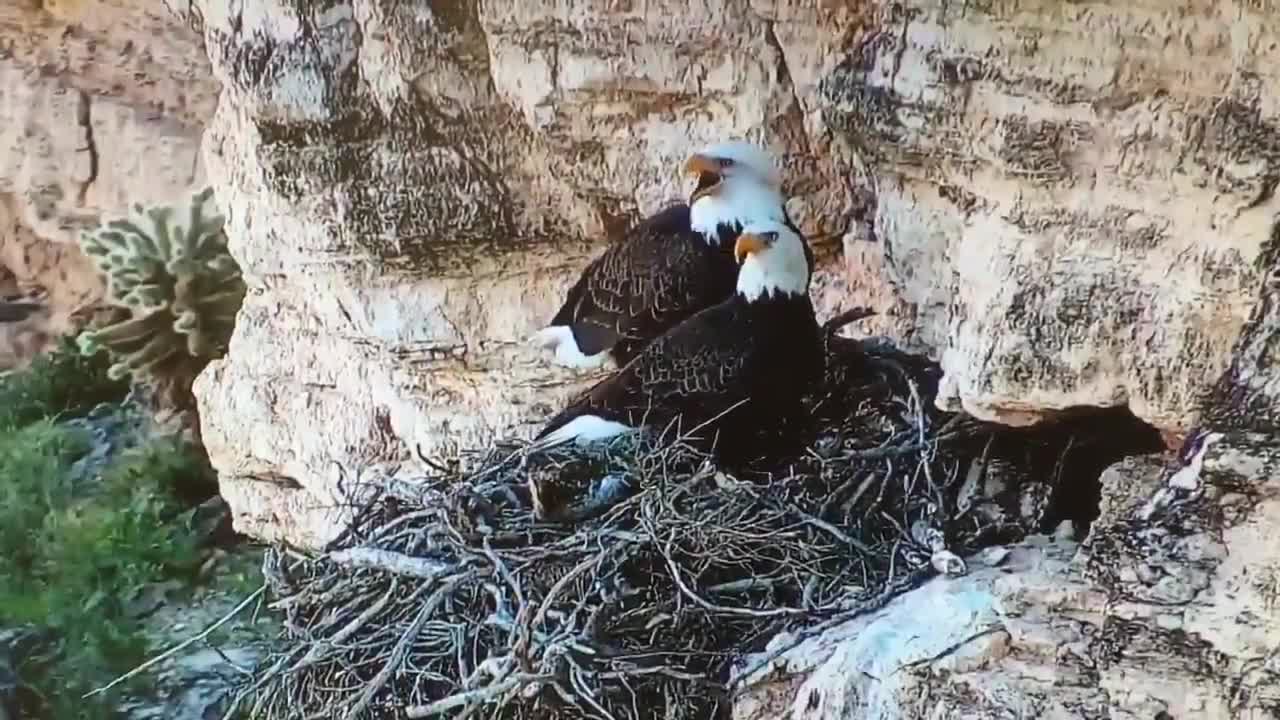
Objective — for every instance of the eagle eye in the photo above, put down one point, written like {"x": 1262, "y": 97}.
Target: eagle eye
{"x": 726, "y": 162}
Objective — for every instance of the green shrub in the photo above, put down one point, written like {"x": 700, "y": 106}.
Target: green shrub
{"x": 62, "y": 382}
{"x": 75, "y": 555}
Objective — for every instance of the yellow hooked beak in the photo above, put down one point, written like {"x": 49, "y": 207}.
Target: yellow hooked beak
{"x": 699, "y": 163}
{"x": 748, "y": 243}
{"x": 699, "y": 166}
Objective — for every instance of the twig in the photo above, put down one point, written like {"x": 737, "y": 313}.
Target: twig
{"x": 741, "y": 586}
{"x": 347, "y": 631}
{"x": 896, "y": 450}
{"x": 393, "y": 562}
{"x": 835, "y": 324}
{"x": 835, "y": 532}
{"x": 402, "y": 646}
{"x": 483, "y": 695}
{"x": 560, "y": 585}
{"x": 180, "y": 646}
{"x": 706, "y": 604}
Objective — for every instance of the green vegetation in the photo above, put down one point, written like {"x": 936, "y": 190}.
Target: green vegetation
{"x": 57, "y": 384}
{"x": 87, "y": 536}
{"x": 178, "y": 290}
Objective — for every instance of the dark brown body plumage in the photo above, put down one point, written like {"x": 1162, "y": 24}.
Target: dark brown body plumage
{"x": 656, "y": 277}
{"x": 767, "y": 352}
{"x": 659, "y": 274}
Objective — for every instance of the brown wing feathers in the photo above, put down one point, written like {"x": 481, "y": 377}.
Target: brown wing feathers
{"x": 661, "y": 273}
{"x": 683, "y": 373}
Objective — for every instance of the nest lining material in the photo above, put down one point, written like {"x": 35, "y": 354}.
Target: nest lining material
{"x": 447, "y": 599}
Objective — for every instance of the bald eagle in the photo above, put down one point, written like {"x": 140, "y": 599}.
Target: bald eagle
{"x": 669, "y": 266}
{"x": 736, "y": 372}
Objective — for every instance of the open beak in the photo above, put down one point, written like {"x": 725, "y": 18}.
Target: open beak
{"x": 747, "y": 244}
{"x": 707, "y": 172}
{"x": 698, "y": 164}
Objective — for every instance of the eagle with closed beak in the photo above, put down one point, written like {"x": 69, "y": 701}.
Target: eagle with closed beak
{"x": 671, "y": 265}
{"x": 728, "y": 377}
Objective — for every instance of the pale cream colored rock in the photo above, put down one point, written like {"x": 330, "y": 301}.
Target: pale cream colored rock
{"x": 102, "y": 103}
{"x": 1063, "y": 630}
{"x": 1073, "y": 199}
{"x": 410, "y": 188}
{"x": 403, "y": 249}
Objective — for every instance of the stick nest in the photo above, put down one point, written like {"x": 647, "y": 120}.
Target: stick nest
{"x": 447, "y": 599}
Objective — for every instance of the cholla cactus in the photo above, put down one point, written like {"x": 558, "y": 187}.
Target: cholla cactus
{"x": 178, "y": 291}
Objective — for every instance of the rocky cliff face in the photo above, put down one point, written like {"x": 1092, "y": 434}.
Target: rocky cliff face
{"x": 1097, "y": 182}
{"x": 102, "y": 104}
{"x": 1166, "y": 611}
{"x": 1067, "y": 205}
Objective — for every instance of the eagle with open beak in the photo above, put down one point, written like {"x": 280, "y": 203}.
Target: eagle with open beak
{"x": 730, "y": 378}
{"x": 669, "y": 266}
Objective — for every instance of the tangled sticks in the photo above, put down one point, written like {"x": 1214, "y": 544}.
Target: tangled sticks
{"x": 447, "y": 599}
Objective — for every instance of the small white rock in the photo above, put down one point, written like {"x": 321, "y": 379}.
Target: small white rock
{"x": 948, "y": 563}
{"x": 993, "y": 556}
{"x": 1147, "y": 574}
{"x": 1066, "y": 530}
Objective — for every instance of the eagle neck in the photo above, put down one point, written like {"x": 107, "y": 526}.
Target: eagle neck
{"x": 776, "y": 313}
{"x": 784, "y": 276}
{"x": 720, "y": 218}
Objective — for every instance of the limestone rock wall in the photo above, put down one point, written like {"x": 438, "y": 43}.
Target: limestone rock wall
{"x": 1146, "y": 619}
{"x": 102, "y": 104}
{"x": 409, "y": 188}
{"x": 1167, "y": 610}
{"x": 1065, "y": 204}
{"x": 1074, "y": 198}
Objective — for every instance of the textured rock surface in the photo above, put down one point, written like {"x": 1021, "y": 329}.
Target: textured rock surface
{"x": 1168, "y": 614}
{"x": 1065, "y": 204}
{"x": 102, "y": 103}
{"x": 1071, "y": 198}
{"x": 409, "y": 191}
{"x": 1167, "y": 610}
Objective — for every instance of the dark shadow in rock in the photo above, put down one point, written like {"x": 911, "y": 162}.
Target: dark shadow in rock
{"x": 1065, "y": 457}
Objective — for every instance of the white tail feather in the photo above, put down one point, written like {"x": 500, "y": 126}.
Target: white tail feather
{"x": 582, "y": 429}
{"x": 548, "y": 337}
{"x": 560, "y": 338}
